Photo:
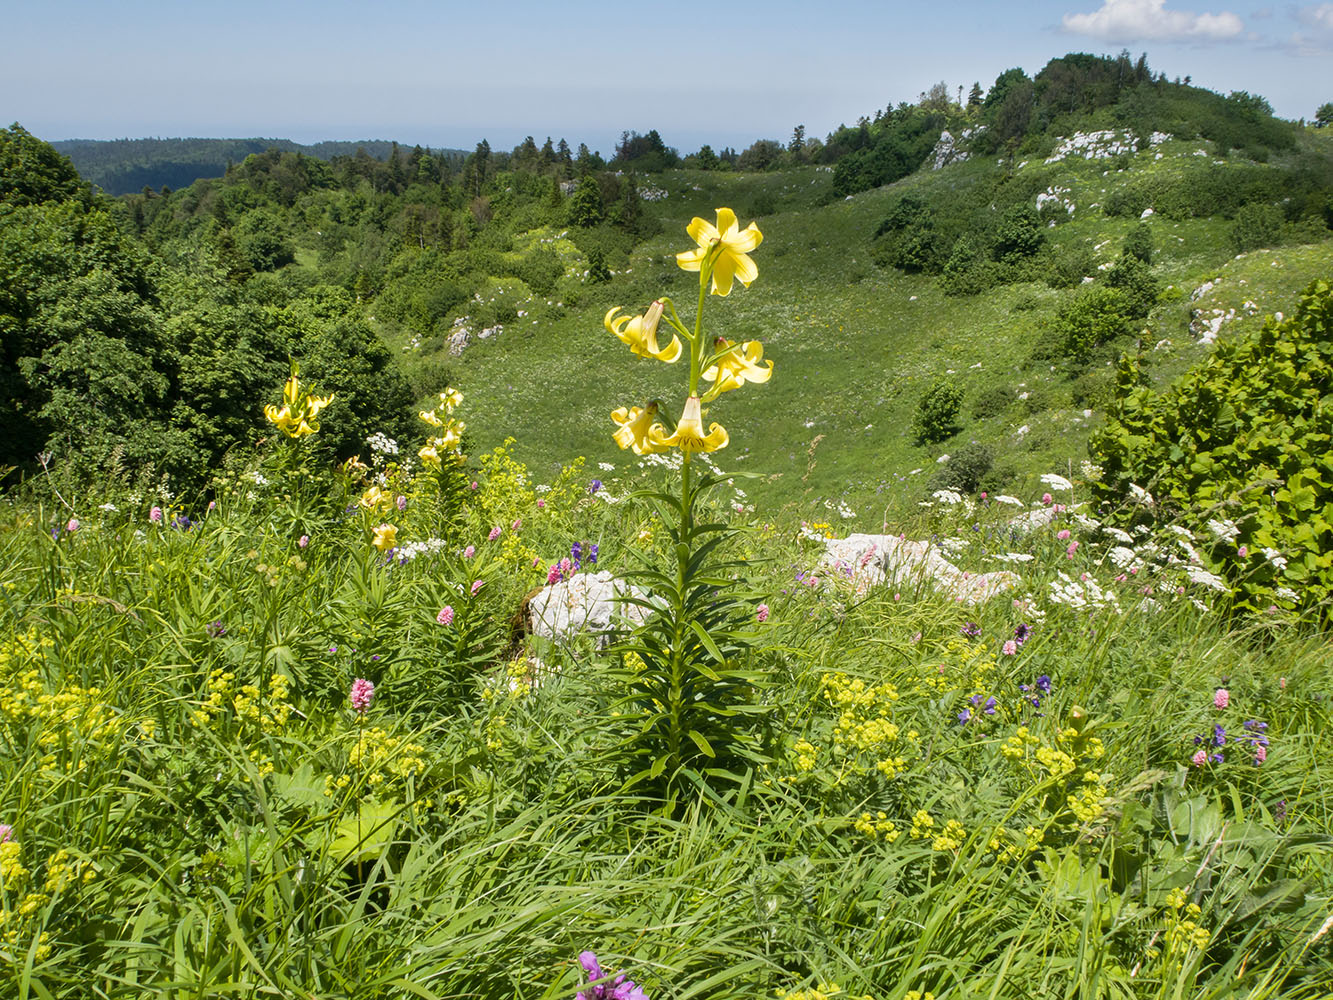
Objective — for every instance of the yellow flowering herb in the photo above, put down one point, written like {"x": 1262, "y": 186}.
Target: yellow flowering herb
{"x": 727, "y": 245}
{"x": 640, "y": 333}
{"x": 689, "y": 435}
{"x": 386, "y": 537}
{"x": 736, "y": 365}
{"x": 633, "y": 426}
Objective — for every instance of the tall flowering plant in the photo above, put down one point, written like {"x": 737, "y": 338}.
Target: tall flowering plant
{"x": 690, "y": 691}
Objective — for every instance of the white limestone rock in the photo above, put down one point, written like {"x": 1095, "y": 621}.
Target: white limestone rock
{"x": 867, "y": 561}
{"x": 586, "y": 603}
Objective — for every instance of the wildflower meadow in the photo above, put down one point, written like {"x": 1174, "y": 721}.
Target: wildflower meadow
{"x": 318, "y": 731}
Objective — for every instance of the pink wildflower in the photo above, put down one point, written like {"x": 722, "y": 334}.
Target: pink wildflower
{"x": 446, "y": 615}
{"x": 495, "y": 533}
{"x": 474, "y": 484}
{"x": 761, "y": 613}
{"x": 303, "y": 541}
{"x": 469, "y": 552}
{"x": 363, "y": 692}
{"x": 1046, "y": 499}
{"x": 155, "y": 515}
{"x": 1242, "y": 552}
{"x": 1069, "y": 552}
{"x": 1062, "y": 534}
{"x": 73, "y": 524}
{"x": 1260, "y": 754}
{"x": 1282, "y": 683}
{"x": 1010, "y": 647}
{"x": 516, "y": 525}
{"x": 6, "y": 832}
{"x": 1200, "y": 758}
{"x": 1222, "y": 698}
{"x": 1059, "y": 508}
{"x": 476, "y": 586}
{"x": 212, "y": 504}
{"x": 897, "y": 598}
{"x": 401, "y": 502}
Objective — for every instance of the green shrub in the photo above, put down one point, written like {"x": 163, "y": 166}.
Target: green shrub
{"x": 1245, "y": 437}
{"x": 1256, "y": 226}
{"x": 937, "y": 414}
{"x": 1131, "y": 276}
{"x": 992, "y": 401}
{"x": 965, "y": 470}
{"x": 1068, "y": 267}
{"x": 1091, "y": 319}
{"x": 1138, "y": 243}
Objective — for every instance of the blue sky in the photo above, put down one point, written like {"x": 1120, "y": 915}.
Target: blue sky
{"x": 449, "y": 74}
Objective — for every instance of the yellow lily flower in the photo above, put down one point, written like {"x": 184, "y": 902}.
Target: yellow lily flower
{"x": 430, "y": 417}
{"x": 635, "y": 423}
{"x": 376, "y": 499}
{"x": 282, "y": 417}
{"x": 450, "y": 399}
{"x": 386, "y": 537}
{"x": 453, "y": 436}
{"x": 689, "y": 435}
{"x": 640, "y": 333}
{"x": 736, "y": 368}
{"x": 732, "y": 243}
{"x": 430, "y": 456}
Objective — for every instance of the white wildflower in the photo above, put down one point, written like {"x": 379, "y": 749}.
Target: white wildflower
{"x": 1057, "y": 482}
{"x": 1223, "y": 531}
{"x": 1198, "y": 574}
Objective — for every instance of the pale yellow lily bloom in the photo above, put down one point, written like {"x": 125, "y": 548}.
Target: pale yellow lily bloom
{"x": 635, "y": 423}
{"x": 736, "y": 368}
{"x": 386, "y": 537}
{"x": 376, "y": 499}
{"x": 450, "y": 399}
{"x": 430, "y": 456}
{"x": 689, "y": 435}
{"x": 640, "y": 333}
{"x": 733, "y": 243}
{"x": 299, "y": 414}
{"x": 430, "y": 417}
{"x": 452, "y": 439}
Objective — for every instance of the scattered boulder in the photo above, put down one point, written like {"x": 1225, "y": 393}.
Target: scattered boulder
{"x": 869, "y": 560}
{"x": 586, "y": 603}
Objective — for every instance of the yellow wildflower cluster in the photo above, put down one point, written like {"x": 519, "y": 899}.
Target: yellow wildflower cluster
{"x": 71, "y": 715}
{"x": 250, "y": 708}
{"x": 824, "y": 991}
{"x": 1010, "y": 847}
{"x": 22, "y": 900}
{"x": 876, "y": 826}
{"x": 1067, "y": 761}
{"x": 446, "y": 446}
{"x": 806, "y": 755}
{"x": 299, "y": 413}
{"x": 922, "y": 824}
{"x": 721, "y": 257}
{"x": 1183, "y": 930}
{"x": 382, "y": 757}
{"x": 863, "y": 725}
{"x": 966, "y": 667}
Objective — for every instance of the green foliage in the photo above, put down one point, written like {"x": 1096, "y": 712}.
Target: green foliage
{"x": 1244, "y": 436}
{"x": 1094, "y": 317}
{"x": 1256, "y": 225}
{"x": 936, "y": 417}
{"x": 966, "y": 469}
{"x": 1019, "y": 235}
{"x": 1131, "y": 276}
{"x": 585, "y": 206}
{"x": 1138, "y": 242}
{"x": 32, "y": 172}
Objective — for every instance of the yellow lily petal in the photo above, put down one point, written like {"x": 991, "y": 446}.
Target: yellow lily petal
{"x": 635, "y": 425}
{"x": 691, "y": 260}
{"x": 705, "y": 233}
{"x": 726, "y": 223}
{"x": 741, "y": 365}
{"x": 430, "y": 417}
{"x": 689, "y": 435}
{"x": 386, "y": 537}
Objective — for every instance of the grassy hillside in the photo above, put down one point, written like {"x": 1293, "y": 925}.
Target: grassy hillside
{"x": 856, "y": 345}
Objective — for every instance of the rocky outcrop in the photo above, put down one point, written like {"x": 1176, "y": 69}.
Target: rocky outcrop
{"x": 585, "y": 604}
{"x": 867, "y": 561}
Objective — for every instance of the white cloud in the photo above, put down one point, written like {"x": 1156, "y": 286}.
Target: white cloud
{"x": 1318, "y": 38}
{"x": 1149, "y": 20}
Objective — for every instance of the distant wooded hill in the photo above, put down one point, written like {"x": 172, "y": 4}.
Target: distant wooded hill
{"x": 125, "y": 166}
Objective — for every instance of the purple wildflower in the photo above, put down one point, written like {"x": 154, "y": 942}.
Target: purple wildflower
{"x": 1219, "y": 736}
{"x": 619, "y": 989}
{"x": 964, "y": 716}
{"x": 990, "y": 706}
{"x": 1044, "y": 684}
{"x": 215, "y": 630}
{"x": 1022, "y": 633}
{"x": 971, "y": 630}
{"x": 594, "y": 486}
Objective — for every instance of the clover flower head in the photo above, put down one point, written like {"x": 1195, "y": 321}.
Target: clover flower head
{"x": 495, "y": 533}
{"x": 1200, "y": 758}
{"x": 361, "y": 695}
{"x": 761, "y": 613}
{"x": 1010, "y": 647}
{"x": 155, "y": 515}
{"x": 1221, "y": 698}
{"x": 446, "y": 615}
